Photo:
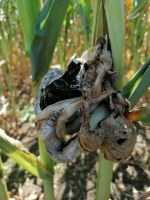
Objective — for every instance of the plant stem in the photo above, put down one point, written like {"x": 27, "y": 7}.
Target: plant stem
{"x": 3, "y": 187}
{"x": 105, "y": 169}
{"x": 104, "y": 178}
{"x": 99, "y": 28}
{"x": 47, "y": 161}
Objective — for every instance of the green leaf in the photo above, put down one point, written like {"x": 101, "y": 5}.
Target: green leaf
{"x": 104, "y": 178}
{"x": 47, "y": 30}
{"x": 48, "y": 184}
{"x": 141, "y": 87}
{"x": 116, "y": 26}
{"x": 28, "y": 11}
{"x": 128, "y": 88}
{"x": 3, "y": 190}
{"x": 15, "y": 150}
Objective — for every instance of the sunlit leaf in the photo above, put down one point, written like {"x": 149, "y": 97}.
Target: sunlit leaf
{"x": 141, "y": 87}
{"x": 47, "y": 30}
{"x": 116, "y": 19}
{"x": 28, "y": 12}
{"x": 130, "y": 86}
{"x": 15, "y": 150}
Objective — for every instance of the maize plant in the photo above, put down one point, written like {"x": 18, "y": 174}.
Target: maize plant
{"x": 84, "y": 102}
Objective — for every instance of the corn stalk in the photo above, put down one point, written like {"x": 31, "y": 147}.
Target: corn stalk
{"x": 114, "y": 19}
{"x": 134, "y": 89}
{"x": 3, "y": 187}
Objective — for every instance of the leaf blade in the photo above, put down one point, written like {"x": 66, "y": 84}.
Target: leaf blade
{"x": 15, "y": 150}
{"x": 116, "y": 29}
{"x": 47, "y": 31}
{"x": 28, "y": 12}
{"x": 141, "y": 87}
{"x": 130, "y": 85}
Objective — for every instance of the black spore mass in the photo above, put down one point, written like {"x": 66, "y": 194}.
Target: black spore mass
{"x": 63, "y": 88}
